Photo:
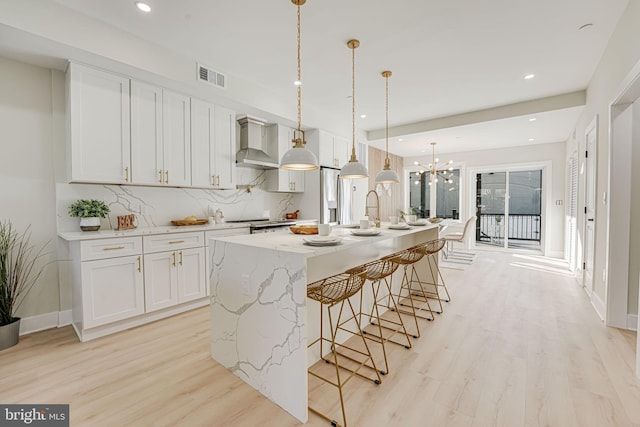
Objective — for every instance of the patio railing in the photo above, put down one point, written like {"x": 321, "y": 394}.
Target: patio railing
{"x": 520, "y": 227}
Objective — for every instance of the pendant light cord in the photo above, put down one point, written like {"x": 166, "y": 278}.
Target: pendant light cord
{"x": 299, "y": 78}
{"x": 353, "y": 103}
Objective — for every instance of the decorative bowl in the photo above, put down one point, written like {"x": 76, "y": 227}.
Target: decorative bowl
{"x": 304, "y": 229}
{"x": 434, "y": 220}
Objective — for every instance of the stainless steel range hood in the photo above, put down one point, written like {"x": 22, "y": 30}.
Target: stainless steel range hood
{"x": 251, "y": 153}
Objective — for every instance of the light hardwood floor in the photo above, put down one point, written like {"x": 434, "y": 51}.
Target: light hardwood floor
{"x": 519, "y": 345}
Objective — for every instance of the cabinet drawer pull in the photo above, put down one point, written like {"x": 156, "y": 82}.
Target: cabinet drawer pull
{"x": 160, "y": 176}
{"x": 139, "y": 265}
{"x": 174, "y": 258}
{"x": 213, "y": 180}
{"x": 126, "y": 173}
{"x": 173, "y": 242}
{"x": 115, "y": 248}
{"x": 180, "y": 258}
{"x": 167, "y": 177}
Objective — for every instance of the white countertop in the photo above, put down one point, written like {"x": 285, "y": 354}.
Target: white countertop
{"x": 286, "y": 241}
{"x": 140, "y": 231}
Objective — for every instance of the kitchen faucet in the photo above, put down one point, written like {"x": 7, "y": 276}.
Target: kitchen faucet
{"x": 376, "y": 206}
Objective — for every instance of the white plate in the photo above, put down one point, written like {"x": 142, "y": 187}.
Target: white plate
{"x": 349, "y": 225}
{"x": 321, "y": 240}
{"x": 365, "y": 232}
{"x": 399, "y": 227}
{"x": 422, "y": 222}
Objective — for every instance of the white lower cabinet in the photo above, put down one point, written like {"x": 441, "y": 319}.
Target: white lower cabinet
{"x": 113, "y": 289}
{"x": 123, "y": 282}
{"x": 174, "y": 277}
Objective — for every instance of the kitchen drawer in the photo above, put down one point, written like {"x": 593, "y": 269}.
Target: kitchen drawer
{"x": 110, "y": 248}
{"x": 173, "y": 241}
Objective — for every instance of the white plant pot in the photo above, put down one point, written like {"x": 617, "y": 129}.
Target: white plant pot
{"x": 90, "y": 224}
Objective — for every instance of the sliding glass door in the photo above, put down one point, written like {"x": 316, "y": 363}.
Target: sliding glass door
{"x": 509, "y": 209}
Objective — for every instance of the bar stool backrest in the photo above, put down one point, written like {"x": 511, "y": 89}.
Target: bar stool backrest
{"x": 336, "y": 288}
{"x": 433, "y": 246}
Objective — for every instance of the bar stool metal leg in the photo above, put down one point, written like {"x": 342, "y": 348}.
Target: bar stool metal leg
{"x": 408, "y": 258}
{"x": 378, "y": 272}
{"x": 332, "y": 292}
{"x": 431, "y": 250}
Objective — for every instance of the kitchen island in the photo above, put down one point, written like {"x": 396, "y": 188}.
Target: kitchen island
{"x": 261, "y": 319}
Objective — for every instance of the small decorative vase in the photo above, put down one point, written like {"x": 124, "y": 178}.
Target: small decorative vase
{"x": 90, "y": 224}
{"x": 10, "y": 334}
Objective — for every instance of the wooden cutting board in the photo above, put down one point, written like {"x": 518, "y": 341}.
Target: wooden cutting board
{"x": 181, "y": 222}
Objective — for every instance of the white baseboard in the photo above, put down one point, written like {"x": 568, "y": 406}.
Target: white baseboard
{"x": 598, "y": 304}
{"x": 37, "y": 323}
{"x": 632, "y": 322}
{"x": 65, "y": 318}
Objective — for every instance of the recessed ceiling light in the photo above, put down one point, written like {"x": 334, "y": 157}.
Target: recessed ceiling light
{"x": 531, "y": 139}
{"x": 532, "y": 119}
{"x": 363, "y": 116}
{"x": 400, "y": 139}
{"x": 143, "y": 6}
{"x": 423, "y": 151}
{"x": 529, "y": 76}
{"x": 297, "y": 83}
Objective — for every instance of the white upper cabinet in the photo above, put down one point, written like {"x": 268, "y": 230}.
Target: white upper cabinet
{"x": 147, "y": 157}
{"x": 176, "y": 135}
{"x": 225, "y": 148}
{"x": 160, "y": 136}
{"x": 213, "y": 144}
{"x": 281, "y": 180}
{"x": 332, "y": 151}
{"x": 99, "y": 126}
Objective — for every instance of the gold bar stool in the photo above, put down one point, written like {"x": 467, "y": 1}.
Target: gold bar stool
{"x": 330, "y": 292}
{"x": 377, "y": 272}
{"x": 432, "y": 250}
{"x": 407, "y": 259}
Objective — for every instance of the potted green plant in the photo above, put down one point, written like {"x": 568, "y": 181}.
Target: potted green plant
{"x": 89, "y": 212}
{"x": 20, "y": 267}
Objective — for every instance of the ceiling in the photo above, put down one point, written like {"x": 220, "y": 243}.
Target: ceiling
{"x": 447, "y": 57}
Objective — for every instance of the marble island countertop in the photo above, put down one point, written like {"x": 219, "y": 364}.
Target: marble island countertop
{"x": 286, "y": 241}
{"x": 262, "y": 320}
{"x": 141, "y": 231}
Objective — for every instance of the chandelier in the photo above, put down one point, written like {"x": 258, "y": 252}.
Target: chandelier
{"x": 435, "y": 169}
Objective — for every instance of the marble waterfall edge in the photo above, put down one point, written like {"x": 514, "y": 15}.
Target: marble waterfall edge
{"x": 268, "y": 315}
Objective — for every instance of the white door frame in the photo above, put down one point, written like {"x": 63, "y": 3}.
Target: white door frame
{"x": 546, "y": 199}
{"x": 589, "y": 216}
{"x": 623, "y": 133}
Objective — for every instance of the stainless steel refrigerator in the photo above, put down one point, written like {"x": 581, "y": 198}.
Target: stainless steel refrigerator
{"x": 336, "y": 198}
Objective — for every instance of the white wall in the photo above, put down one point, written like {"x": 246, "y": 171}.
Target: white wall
{"x": 555, "y": 153}
{"x": 621, "y": 54}
{"x": 27, "y": 187}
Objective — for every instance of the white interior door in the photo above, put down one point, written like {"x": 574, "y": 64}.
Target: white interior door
{"x": 590, "y": 206}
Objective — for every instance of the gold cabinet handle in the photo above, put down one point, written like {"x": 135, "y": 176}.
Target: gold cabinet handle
{"x": 180, "y": 257}
{"x": 114, "y": 248}
{"x": 161, "y": 176}
{"x": 139, "y": 265}
{"x": 166, "y": 173}
{"x": 174, "y": 242}
{"x": 126, "y": 173}
{"x": 213, "y": 180}
{"x": 174, "y": 258}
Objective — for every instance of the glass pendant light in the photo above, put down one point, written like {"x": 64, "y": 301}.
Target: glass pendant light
{"x": 299, "y": 157}
{"x": 353, "y": 169}
{"x": 386, "y": 175}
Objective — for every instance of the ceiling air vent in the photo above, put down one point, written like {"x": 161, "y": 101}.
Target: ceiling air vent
{"x": 211, "y": 76}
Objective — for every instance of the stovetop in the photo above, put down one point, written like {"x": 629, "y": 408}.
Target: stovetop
{"x": 263, "y": 222}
